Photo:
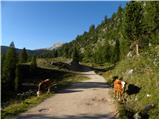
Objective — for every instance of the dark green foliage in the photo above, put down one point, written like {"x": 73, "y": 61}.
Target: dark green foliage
{"x": 23, "y": 56}
{"x": 75, "y": 55}
{"x": 55, "y": 53}
{"x": 133, "y": 21}
{"x": 9, "y": 66}
{"x": 48, "y": 54}
{"x": 151, "y": 21}
{"x": 102, "y": 53}
{"x": 116, "y": 52}
{"x": 2, "y": 59}
{"x": 34, "y": 63}
{"x": 92, "y": 29}
{"x": 18, "y": 77}
{"x": 124, "y": 48}
{"x": 12, "y": 45}
{"x": 88, "y": 54}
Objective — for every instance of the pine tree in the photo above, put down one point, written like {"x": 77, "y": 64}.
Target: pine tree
{"x": 116, "y": 52}
{"x": 133, "y": 23}
{"x": 92, "y": 29}
{"x": 151, "y": 21}
{"x": 9, "y": 67}
{"x": 23, "y": 56}
{"x": 108, "y": 53}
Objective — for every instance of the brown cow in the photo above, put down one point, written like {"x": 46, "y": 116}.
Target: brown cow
{"x": 118, "y": 88}
{"x": 43, "y": 86}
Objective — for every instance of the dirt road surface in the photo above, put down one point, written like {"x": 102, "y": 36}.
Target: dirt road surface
{"x": 87, "y": 99}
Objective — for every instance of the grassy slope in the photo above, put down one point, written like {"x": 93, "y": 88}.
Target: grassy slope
{"x": 145, "y": 76}
{"x": 17, "y": 107}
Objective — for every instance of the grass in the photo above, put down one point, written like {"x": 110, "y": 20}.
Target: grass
{"x": 145, "y": 75}
{"x": 45, "y": 61}
{"x": 17, "y": 107}
{"x": 100, "y": 66}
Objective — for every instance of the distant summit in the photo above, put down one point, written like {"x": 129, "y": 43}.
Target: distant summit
{"x": 55, "y": 46}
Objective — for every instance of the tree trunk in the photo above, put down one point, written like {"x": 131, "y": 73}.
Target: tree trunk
{"x": 137, "y": 52}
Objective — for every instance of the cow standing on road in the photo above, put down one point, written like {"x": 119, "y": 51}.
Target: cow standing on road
{"x": 44, "y": 86}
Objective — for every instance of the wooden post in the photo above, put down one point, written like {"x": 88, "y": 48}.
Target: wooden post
{"x": 137, "y": 52}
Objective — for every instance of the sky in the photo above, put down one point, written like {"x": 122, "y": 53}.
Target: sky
{"x": 40, "y": 24}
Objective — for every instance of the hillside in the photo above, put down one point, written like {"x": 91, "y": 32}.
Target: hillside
{"x": 129, "y": 40}
{"x": 31, "y": 52}
{"x": 98, "y": 45}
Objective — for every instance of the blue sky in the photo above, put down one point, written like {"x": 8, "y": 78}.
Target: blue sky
{"x": 37, "y": 25}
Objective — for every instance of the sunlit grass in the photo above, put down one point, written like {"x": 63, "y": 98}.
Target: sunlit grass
{"x": 22, "y": 106}
{"x": 145, "y": 75}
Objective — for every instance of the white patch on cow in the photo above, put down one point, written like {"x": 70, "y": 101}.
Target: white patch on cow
{"x": 38, "y": 93}
{"x": 123, "y": 83}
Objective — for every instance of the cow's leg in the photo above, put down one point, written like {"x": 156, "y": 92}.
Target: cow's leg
{"x": 49, "y": 89}
{"x": 115, "y": 93}
{"x": 121, "y": 95}
{"x": 38, "y": 93}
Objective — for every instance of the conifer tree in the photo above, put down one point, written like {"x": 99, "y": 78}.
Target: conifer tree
{"x": 116, "y": 52}
{"x": 23, "y": 56}
{"x": 92, "y": 29}
{"x": 9, "y": 67}
{"x": 151, "y": 21}
{"x": 133, "y": 23}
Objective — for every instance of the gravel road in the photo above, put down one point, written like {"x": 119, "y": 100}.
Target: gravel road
{"x": 87, "y": 99}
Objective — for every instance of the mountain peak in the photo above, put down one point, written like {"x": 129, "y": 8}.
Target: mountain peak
{"x": 55, "y": 46}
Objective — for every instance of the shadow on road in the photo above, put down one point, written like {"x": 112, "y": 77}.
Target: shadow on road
{"x": 81, "y": 116}
{"x": 87, "y": 85}
{"x": 68, "y": 91}
{"x": 80, "y": 86}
